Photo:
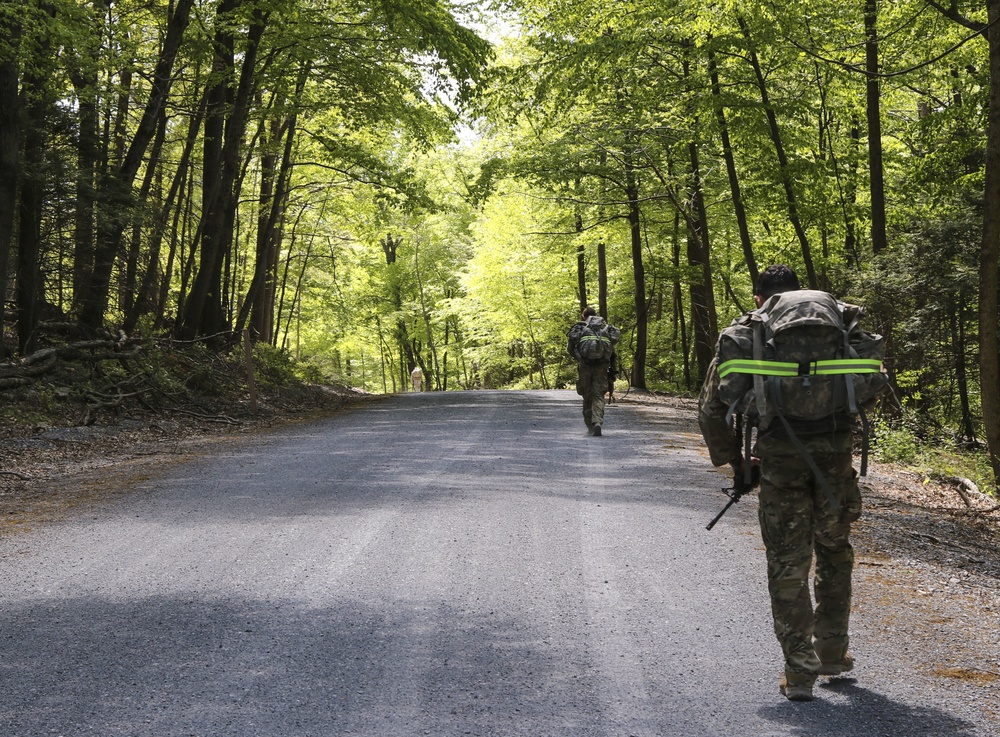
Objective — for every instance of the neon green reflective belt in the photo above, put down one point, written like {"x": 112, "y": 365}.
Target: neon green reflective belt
{"x": 594, "y": 337}
{"x": 787, "y": 368}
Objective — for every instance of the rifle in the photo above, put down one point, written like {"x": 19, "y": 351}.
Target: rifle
{"x": 617, "y": 371}
{"x": 745, "y": 478}
{"x": 612, "y": 375}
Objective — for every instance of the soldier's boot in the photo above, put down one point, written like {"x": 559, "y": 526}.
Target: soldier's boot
{"x": 837, "y": 667}
{"x": 797, "y": 687}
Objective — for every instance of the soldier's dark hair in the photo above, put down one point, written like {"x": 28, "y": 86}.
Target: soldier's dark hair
{"x": 588, "y": 312}
{"x": 776, "y": 279}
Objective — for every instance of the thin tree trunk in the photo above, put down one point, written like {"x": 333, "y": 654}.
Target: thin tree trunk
{"x": 783, "y": 169}
{"x": 581, "y": 264}
{"x": 426, "y": 315}
{"x": 148, "y": 290}
{"x": 130, "y": 281}
{"x": 638, "y": 271}
{"x": 680, "y": 321}
{"x": 734, "y": 182}
{"x": 10, "y": 32}
{"x": 30, "y": 288}
{"x": 873, "y": 94}
{"x": 88, "y": 153}
{"x": 957, "y": 314}
{"x": 115, "y": 189}
{"x": 602, "y": 279}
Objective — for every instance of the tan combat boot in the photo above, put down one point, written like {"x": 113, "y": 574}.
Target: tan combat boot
{"x": 837, "y": 667}
{"x": 797, "y": 687}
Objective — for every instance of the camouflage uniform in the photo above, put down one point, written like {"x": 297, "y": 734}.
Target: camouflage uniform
{"x": 592, "y": 377}
{"x": 592, "y": 385}
{"x": 797, "y": 519}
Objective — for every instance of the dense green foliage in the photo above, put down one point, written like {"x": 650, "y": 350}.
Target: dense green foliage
{"x": 200, "y": 167}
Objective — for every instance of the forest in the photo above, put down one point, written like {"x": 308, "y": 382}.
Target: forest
{"x": 360, "y": 188}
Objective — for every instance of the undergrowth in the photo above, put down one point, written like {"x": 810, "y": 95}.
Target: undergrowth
{"x": 905, "y": 442}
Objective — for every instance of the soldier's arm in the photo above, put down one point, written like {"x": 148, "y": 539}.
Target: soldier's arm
{"x": 715, "y": 429}
{"x": 573, "y": 338}
{"x": 718, "y": 394}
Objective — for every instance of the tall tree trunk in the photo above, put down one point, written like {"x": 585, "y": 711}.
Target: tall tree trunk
{"x": 205, "y": 312}
{"x": 956, "y": 313}
{"x": 436, "y": 373}
{"x": 783, "y": 170}
{"x": 989, "y": 345}
{"x": 581, "y": 263}
{"x": 10, "y": 134}
{"x": 116, "y": 187}
{"x": 602, "y": 279}
{"x": 638, "y": 269}
{"x": 205, "y": 291}
{"x": 704, "y": 318}
{"x": 130, "y": 280}
{"x": 149, "y": 293}
{"x": 259, "y": 302}
{"x": 734, "y": 182}
{"x": 703, "y": 312}
{"x": 876, "y": 180}
{"x": 88, "y": 154}
{"x": 680, "y": 321}
{"x": 37, "y": 98}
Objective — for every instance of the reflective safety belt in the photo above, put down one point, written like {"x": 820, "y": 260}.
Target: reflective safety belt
{"x": 775, "y": 370}
{"x": 832, "y": 367}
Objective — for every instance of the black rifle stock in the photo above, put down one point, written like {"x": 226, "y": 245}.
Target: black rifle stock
{"x": 743, "y": 482}
{"x": 740, "y": 487}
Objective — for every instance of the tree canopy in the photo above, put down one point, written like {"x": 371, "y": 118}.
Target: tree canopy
{"x": 371, "y": 187}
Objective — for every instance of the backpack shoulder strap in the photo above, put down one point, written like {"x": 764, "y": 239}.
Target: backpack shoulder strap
{"x": 760, "y": 319}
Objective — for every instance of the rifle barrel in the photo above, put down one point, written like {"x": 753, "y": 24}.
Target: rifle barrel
{"x": 732, "y": 500}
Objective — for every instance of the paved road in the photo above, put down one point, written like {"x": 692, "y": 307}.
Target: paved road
{"x": 434, "y": 564}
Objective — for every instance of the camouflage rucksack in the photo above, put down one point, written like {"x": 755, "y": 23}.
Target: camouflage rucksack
{"x": 597, "y": 340}
{"x": 810, "y": 360}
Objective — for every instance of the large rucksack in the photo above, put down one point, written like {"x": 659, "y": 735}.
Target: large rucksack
{"x": 597, "y": 340}
{"x": 810, "y": 360}
{"x": 811, "y": 365}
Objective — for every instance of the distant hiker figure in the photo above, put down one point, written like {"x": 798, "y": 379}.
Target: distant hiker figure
{"x": 592, "y": 343}
{"x": 800, "y": 370}
{"x": 417, "y": 377}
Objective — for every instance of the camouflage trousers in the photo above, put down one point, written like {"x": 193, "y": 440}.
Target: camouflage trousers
{"x": 592, "y": 385}
{"x": 797, "y": 524}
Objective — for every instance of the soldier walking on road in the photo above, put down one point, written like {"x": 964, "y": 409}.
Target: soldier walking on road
{"x": 803, "y": 388}
{"x": 592, "y": 343}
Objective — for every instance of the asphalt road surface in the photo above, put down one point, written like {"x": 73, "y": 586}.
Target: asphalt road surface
{"x": 434, "y": 564}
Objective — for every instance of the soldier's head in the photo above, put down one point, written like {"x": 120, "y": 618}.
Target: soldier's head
{"x": 773, "y": 280}
{"x": 588, "y": 312}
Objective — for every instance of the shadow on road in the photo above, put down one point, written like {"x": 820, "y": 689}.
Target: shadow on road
{"x": 866, "y": 714}
{"x": 186, "y": 666}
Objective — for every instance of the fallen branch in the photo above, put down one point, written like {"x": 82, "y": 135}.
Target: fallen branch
{"x": 208, "y": 418}
{"x": 970, "y": 494}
